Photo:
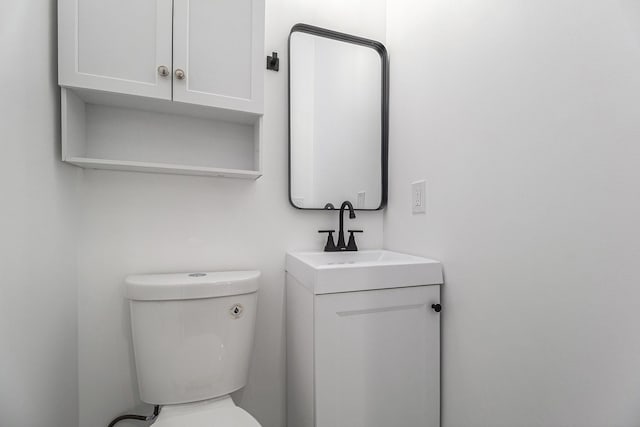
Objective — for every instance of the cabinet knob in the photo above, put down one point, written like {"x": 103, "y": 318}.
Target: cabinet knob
{"x": 436, "y": 307}
{"x": 180, "y": 74}
{"x": 163, "y": 71}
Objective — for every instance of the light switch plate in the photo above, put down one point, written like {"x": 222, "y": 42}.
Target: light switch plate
{"x": 418, "y": 195}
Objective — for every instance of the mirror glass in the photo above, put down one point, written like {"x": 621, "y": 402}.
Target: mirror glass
{"x": 337, "y": 120}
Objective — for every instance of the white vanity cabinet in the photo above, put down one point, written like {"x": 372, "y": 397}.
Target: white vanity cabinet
{"x": 366, "y": 357}
{"x": 166, "y": 86}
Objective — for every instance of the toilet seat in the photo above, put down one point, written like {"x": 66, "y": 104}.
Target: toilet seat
{"x": 220, "y": 412}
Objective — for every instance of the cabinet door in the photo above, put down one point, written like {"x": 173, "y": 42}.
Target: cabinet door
{"x": 116, "y": 45}
{"x": 218, "y": 48}
{"x": 378, "y": 358}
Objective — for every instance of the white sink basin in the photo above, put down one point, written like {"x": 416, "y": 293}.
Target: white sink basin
{"x": 333, "y": 272}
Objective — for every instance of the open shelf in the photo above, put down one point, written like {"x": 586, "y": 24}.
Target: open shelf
{"x": 109, "y": 131}
{"x": 134, "y": 166}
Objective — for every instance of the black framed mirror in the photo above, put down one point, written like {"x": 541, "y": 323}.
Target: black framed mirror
{"x": 338, "y": 119}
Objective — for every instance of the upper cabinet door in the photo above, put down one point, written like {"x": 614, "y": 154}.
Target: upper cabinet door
{"x": 218, "y": 53}
{"x": 116, "y": 46}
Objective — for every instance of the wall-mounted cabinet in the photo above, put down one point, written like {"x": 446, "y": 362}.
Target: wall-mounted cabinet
{"x": 171, "y": 86}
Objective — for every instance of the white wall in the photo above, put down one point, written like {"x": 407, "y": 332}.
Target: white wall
{"x": 137, "y": 223}
{"x": 524, "y": 118}
{"x": 38, "y": 353}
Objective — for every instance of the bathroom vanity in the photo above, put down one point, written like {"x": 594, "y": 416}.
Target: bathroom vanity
{"x": 363, "y": 339}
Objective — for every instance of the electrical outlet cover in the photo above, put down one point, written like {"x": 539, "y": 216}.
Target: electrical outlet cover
{"x": 418, "y": 195}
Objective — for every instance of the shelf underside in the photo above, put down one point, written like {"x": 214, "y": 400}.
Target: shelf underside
{"x": 136, "y": 166}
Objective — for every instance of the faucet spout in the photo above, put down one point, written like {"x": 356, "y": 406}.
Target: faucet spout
{"x": 352, "y": 214}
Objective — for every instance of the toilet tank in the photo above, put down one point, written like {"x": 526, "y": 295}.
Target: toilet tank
{"x": 192, "y": 333}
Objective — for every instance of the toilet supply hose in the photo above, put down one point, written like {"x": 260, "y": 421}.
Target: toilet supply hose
{"x": 156, "y": 411}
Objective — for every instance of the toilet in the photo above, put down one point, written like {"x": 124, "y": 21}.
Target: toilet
{"x": 192, "y": 341}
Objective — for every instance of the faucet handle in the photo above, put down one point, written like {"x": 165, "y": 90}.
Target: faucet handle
{"x": 351, "y": 246}
{"x": 330, "y": 246}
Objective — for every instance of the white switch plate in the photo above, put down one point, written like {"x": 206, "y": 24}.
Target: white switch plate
{"x": 418, "y": 195}
{"x": 361, "y": 199}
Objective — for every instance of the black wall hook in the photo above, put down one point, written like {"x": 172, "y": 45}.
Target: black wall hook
{"x": 273, "y": 62}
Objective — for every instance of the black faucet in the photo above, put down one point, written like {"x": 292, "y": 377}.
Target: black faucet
{"x": 352, "y": 214}
{"x": 341, "y": 245}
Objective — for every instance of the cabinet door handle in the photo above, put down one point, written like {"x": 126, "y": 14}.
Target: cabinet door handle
{"x": 180, "y": 74}
{"x": 163, "y": 71}
{"x": 436, "y": 307}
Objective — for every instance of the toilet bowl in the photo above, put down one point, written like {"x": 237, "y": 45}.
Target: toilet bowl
{"x": 192, "y": 341}
{"x": 209, "y": 413}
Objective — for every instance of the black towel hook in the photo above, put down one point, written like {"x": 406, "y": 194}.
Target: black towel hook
{"x": 273, "y": 62}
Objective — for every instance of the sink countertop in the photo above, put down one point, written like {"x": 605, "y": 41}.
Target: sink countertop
{"x": 334, "y": 272}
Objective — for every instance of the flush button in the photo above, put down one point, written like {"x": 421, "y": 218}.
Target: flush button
{"x": 197, "y": 274}
{"x": 236, "y": 310}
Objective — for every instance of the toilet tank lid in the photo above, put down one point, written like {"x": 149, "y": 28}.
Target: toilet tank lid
{"x": 179, "y": 286}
